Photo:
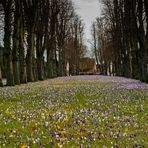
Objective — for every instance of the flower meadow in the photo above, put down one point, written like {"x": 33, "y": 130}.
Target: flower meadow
{"x": 75, "y": 112}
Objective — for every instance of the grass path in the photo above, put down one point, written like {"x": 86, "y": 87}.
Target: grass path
{"x": 76, "y": 112}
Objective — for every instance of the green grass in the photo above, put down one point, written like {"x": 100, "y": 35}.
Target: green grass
{"x": 76, "y": 113}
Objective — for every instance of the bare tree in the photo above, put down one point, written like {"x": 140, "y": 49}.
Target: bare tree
{"x": 127, "y": 33}
{"x": 7, "y": 6}
{"x": 36, "y": 39}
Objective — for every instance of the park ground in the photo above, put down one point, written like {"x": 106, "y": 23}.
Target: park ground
{"x": 79, "y": 111}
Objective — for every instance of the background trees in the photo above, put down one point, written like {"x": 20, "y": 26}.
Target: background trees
{"x": 124, "y": 44}
{"x": 75, "y": 41}
{"x": 42, "y": 36}
{"x": 37, "y": 39}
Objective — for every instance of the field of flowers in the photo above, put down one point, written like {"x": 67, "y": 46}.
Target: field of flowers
{"x": 75, "y": 112}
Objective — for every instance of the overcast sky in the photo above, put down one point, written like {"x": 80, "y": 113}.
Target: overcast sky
{"x": 88, "y": 10}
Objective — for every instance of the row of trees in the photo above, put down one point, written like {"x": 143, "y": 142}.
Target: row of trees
{"x": 40, "y": 38}
{"x": 120, "y": 38}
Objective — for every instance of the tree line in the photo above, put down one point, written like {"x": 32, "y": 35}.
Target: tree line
{"x": 40, "y": 38}
{"x": 120, "y": 38}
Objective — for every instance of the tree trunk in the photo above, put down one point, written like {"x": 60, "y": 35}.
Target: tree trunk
{"x": 1, "y": 83}
{"x": 95, "y": 45}
{"x": 9, "y": 71}
{"x": 29, "y": 57}
{"x": 62, "y": 65}
{"x": 16, "y": 45}
{"x": 7, "y": 46}
{"x": 146, "y": 41}
{"x": 40, "y": 68}
{"x": 49, "y": 63}
{"x": 22, "y": 64}
{"x": 143, "y": 41}
{"x": 40, "y": 58}
{"x": 134, "y": 41}
{"x": 52, "y": 59}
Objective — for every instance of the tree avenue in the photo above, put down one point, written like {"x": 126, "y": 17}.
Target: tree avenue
{"x": 45, "y": 39}
{"x": 120, "y": 38}
{"x": 40, "y": 38}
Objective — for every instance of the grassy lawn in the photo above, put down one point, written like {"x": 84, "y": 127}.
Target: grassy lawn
{"x": 90, "y": 111}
